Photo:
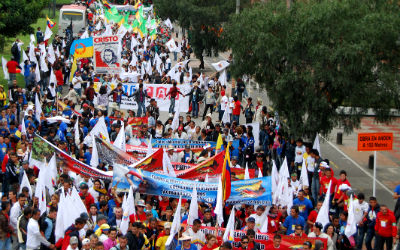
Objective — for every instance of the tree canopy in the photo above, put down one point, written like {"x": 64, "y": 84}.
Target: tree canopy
{"x": 204, "y": 20}
{"x": 319, "y": 56}
{"x": 16, "y": 16}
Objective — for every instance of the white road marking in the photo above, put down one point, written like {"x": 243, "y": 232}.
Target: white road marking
{"x": 357, "y": 165}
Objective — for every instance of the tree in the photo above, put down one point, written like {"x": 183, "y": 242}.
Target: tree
{"x": 319, "y": 56}
{"x": 16, "y": 16}
{"x": 204, "y": 20}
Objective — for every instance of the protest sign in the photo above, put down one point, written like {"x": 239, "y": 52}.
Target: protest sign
{"x": 107, "y": 57}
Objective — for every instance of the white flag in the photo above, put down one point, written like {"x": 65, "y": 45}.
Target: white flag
{"x": 221, "y": 65}
{"x": 176, "y": 223}
{"x": 5, "y": 70}
{"x": 37, "y": 73}
{"x": 48, "y": 33}
{"x": 284, "y": 171}
{"x": 323, "y": 214}
{"x": 316, "y": 144}
{"x": 194, "y": 208}
{"x": 53, "y": 79}
{"x": 304, "y": 176}
{"x": 274, "y": 177}
{"x": 149, "y": 147}
{"x": 168, "y": 169}
{"x": 24, "y": 56}
{"x": 260, "y": 175}
{"x": 51, "y": 56}
{"x": 98, "y": 26}
{"x": 230, "y": 227}
{"x": 100, "y": 130}
{"x": 121, "y": 31}
{"x": 120, "y": 141}
{"x": 226, "y": 117}
{"x": 222, "y": 78}
{"x": 23, "y": 128}
{"x": 38, "y": 108}
{"x": 76, "y": 131}
{"x": 40, "y": 191}
{"x": 32, "y": 54}
{"x": 25, "y": 183}
{"x": 128, "y": 208}
{"x": 171, "y": 45}
{"x": 246, "y": 173}
{"x": 43, "y": 64}
{"x": 219, "y": 207}
{"x": 51, "y": 176}
{"x": 134, "y": 43}
{"x": 94, "y": 161}
{"x": 32, "y": 38}
{"x": 168, "y": 23}
{"x": 351, "y": 227}
{"x": 175, "y": 121}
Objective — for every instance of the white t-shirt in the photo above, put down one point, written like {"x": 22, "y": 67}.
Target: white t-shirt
{"x": 198, "y": 238}
{"x": 359, "y": 210}
{"x": 310, "y": 163}
{"x": 259, "y": 220}
{"x": 299, "y": 151}
{"x": 224, "y": 102}
{"x": 76, "y": 81}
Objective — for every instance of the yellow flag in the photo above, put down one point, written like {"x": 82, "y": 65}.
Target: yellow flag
{"x": 219, "y": 142}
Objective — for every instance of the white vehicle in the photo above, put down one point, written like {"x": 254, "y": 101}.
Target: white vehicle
{"x": 75, "y": 14}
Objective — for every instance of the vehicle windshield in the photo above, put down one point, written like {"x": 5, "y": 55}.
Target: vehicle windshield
{"x": 70, "y": 15}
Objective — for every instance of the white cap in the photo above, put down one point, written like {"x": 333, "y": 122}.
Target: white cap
{"x": 344, "y": 187}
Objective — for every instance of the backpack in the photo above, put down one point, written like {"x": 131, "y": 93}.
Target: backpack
{"x": 14, "y": 49}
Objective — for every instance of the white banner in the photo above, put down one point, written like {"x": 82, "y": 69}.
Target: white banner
{"x": 156, "y": 91}
{"x": 107, "y": 57}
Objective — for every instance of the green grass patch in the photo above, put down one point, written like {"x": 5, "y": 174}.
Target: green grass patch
{"x": 25, "y": 38}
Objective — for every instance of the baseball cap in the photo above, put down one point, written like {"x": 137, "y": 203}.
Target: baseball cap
{"x": 73, "y": 240}
{"x": 251, "y": 219}
{"x": 167, "y": 225}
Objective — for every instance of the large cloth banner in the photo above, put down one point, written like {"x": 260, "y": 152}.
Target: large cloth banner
{"x": 252, "y": 192}
{"x": 265, "y": 239}
{"x": 107, "y": 57}
{"x": 156, "y": 91}
{"x": 43, "y": 149}
{"x": 110, "y": 154}
{"x": 179, "y": 143}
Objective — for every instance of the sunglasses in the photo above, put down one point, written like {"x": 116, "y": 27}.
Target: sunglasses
{"x": 245, "y": 242}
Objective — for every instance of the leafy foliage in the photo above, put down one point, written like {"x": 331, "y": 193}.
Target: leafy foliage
{"x": 41, "y": 150}
{"x": 319, "y": 56}
{"x": 204, "y": 19}
{"x": 16, "y": 16}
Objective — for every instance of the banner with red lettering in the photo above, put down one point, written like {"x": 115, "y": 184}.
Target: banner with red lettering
{"x": 107, "y": 58}
{"x": 266, "y": 239}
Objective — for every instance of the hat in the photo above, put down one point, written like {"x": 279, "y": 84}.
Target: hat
{"x": 324, "y": 165}
{"x": 318, "y": 225}
{"x": 293, "y": 174}
{"x": 84, "y": 216}
{"x": 344, "y": 187}
{"x": 84, "y": 186}
{"x": 170, "y": 147}
{"x": 140, "y": 203}
{"x": 167, "y": 225}
{"x": 85, "y": 105}
{"x": 185, "y": 237}
{"x": 73, "y": 240}
{"x": 85, "y": 242}
{"x": 209, "y": 115}
{"x": 251, "y": 219}
{"x": 20, "y": 152}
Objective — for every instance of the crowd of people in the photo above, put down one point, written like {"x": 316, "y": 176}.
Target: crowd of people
{"x": 47, "y": 82}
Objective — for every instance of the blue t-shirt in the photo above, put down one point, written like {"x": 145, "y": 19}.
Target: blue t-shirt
{"x": 192, "y": 247}
{"x": 305, "y": 206}
{"x": 291, "y": 222}
{"x": 88, "y": 157}
{"x": 397, "y": 191}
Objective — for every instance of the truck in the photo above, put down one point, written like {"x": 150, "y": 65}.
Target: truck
{"x": 75, "y": 14}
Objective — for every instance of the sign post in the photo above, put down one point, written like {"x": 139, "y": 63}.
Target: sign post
{"x": 375, "y": 142}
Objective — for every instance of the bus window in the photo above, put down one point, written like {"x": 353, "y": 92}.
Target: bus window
{"x": 74, "y": 16}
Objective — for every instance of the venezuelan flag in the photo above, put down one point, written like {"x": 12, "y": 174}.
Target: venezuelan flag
{"x": 226, "y": 176}
{"x": 50, "y": 23}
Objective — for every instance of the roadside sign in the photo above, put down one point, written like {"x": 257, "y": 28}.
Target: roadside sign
{"x": 375, "y": 141}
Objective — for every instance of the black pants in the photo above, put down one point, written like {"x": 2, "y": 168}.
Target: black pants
{"x": 208, "y": 106}
{"x": 380, "y": 242}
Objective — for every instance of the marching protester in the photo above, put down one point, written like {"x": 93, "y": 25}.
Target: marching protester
{"x": 80, "y": 135}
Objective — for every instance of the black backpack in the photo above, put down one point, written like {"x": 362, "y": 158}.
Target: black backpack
{"x": 14, "y": 49}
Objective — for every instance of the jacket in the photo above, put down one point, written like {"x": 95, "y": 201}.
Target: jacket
{"x": 137, "y": 93}
{"x": 5, "y": 228}
{"x": 385, "y": 225}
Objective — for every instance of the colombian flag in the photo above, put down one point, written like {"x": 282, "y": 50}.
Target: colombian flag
{"x": 226, "y": 176}
{"x": 50, "y": 23}
{"x": 106, "y": 4}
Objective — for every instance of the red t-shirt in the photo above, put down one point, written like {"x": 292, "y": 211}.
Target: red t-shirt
{"x": 59, "y": 77}
{"x": 12, "y": 66}
{"x": 136, "y": 217}
{"x": 313, "y": 216}
{"x": 325, "y": 184}
{"x": 164, "y": 204}
{"x": 89, "y": 200}
{"x": 273, "y": 223}
{"x": 236, "y": 109}
{"x": 339, "y": 192}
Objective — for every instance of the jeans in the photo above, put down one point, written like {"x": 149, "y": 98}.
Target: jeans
{"x": 172, "y": 105}
{"x": 195, "y": 108}
{"x": 380, "y": 242}
{"x": 361, "y": 230}
{"x": 220, "y": 114}
{"x": 175, "y": 56}
{"x": 59, "y": 89}
{"x": 5, "y": 244}
{"x": 141, "y": 108}
{"x": 315, "y": 189}
{"x": 208, "y": 106}
{"x": 368, "y": 238}
{"x": 78, "y": 91}
{"x": 22, "y": 246}
{"x": 236, "y": 118}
